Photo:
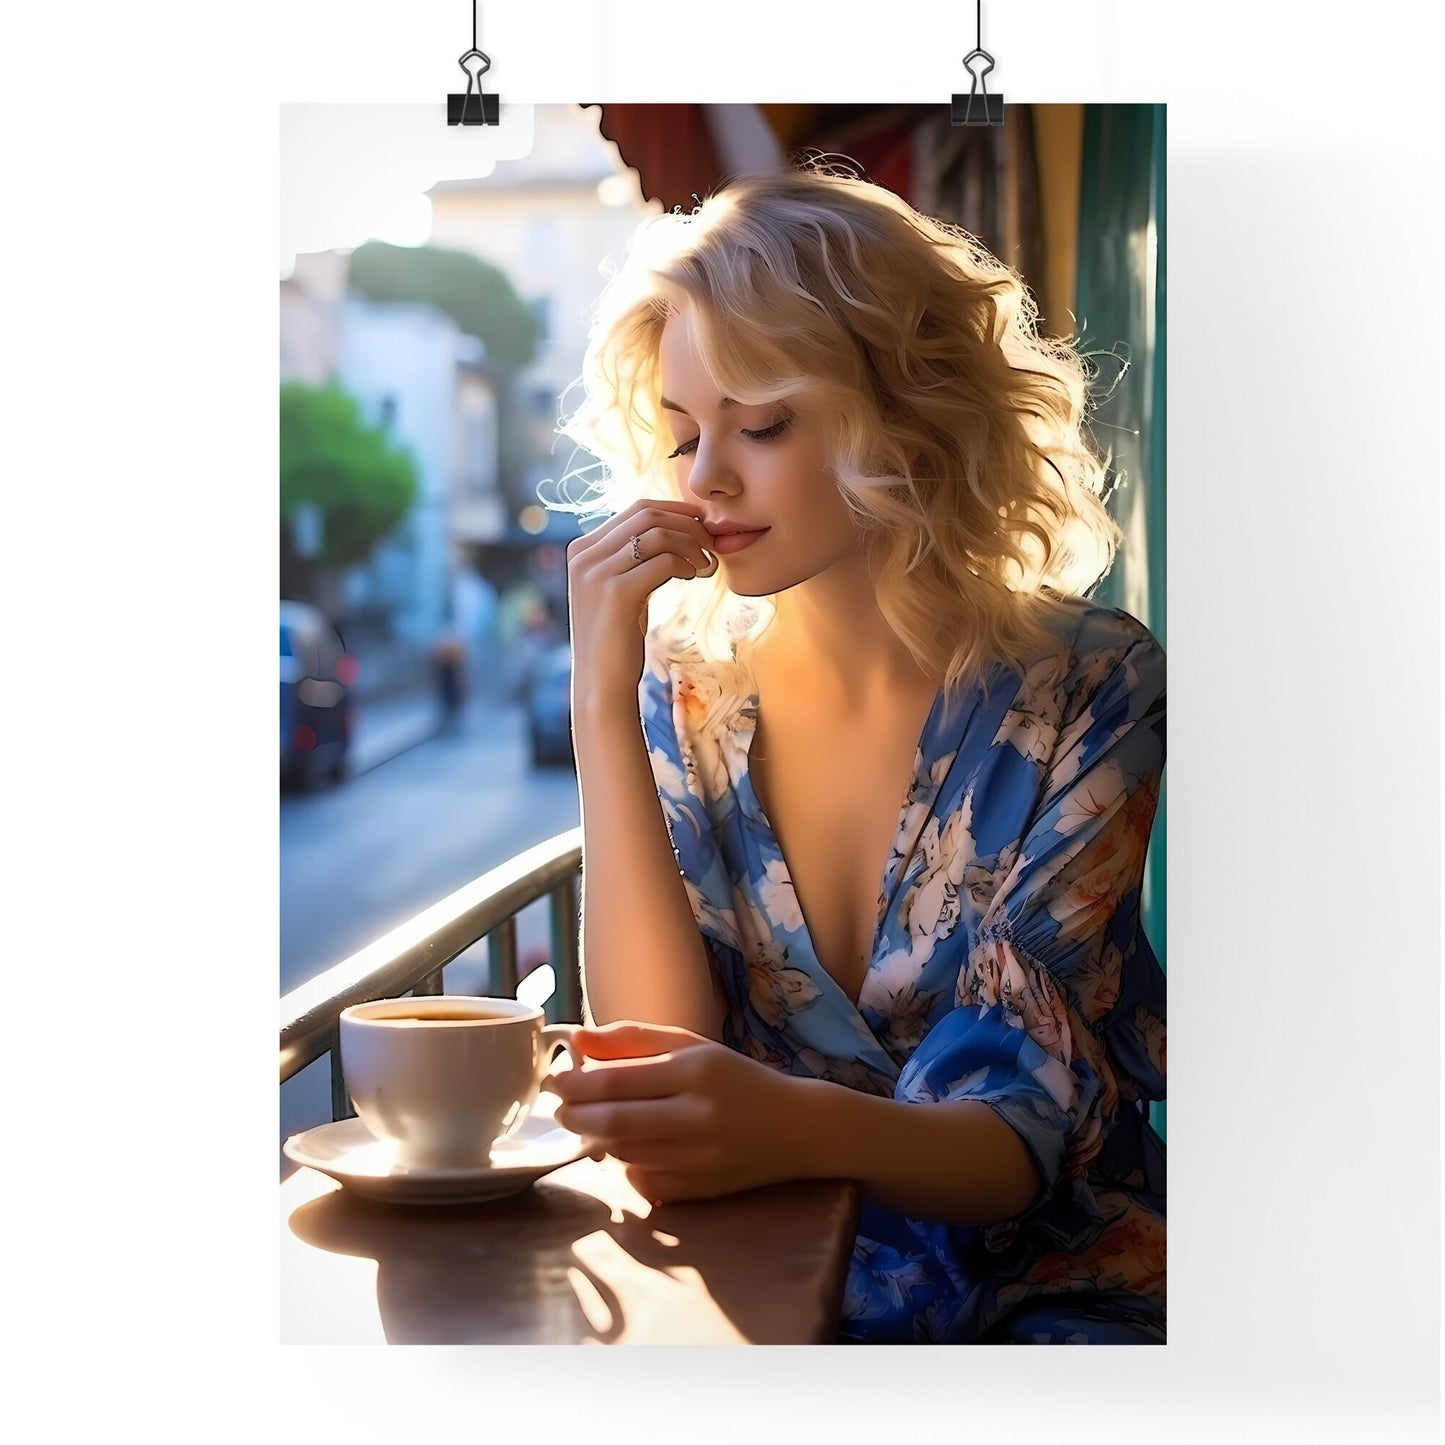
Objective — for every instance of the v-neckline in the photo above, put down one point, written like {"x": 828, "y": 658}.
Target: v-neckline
{"x": 922, "y": 762}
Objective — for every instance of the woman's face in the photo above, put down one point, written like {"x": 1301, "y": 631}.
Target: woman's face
{"x": 757, "y": 466}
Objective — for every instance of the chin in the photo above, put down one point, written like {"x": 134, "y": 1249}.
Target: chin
{"x": 758, "y": 582}
{"x": 753, "y": 588}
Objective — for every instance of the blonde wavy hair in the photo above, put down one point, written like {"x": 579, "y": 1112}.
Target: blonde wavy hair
{"x": 957, "y": 434}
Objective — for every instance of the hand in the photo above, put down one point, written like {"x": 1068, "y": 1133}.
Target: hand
{"x": 690, "y": 1118}
{"x": 607, "y": 592}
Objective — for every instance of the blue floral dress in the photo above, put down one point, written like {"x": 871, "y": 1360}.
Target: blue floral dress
{"x": 1009, "y": 967}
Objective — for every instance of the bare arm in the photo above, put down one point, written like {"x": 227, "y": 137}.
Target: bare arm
{"x": 693, "y": 1120}
{"x": 954, "y": 1161}
{"x": 643, "y": 957}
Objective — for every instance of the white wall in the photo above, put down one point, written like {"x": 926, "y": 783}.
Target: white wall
{"x": 549, "y": 220}
{"x": 409, "y": 354}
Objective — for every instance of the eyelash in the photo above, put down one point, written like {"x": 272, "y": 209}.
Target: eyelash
{"x": 766, "y": 435}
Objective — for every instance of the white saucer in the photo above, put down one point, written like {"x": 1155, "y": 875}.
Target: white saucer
{"x": 352, "y": 1155}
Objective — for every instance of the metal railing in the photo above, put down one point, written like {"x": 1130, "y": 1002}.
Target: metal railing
{"x": 410, "y": 958}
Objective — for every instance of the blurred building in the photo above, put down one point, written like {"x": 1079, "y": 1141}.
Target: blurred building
{"x": 310, "y": 297}
{"x": 552, "y": 221}
{"x": 417, "y": 376}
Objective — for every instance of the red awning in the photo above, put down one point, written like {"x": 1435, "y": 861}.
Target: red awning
{"x": 669, "y": 146}
{"x": 673, "y": 150}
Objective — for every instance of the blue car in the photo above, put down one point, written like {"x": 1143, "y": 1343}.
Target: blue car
{"x": 549, "y": 707}
{"x": 317, "y": 674}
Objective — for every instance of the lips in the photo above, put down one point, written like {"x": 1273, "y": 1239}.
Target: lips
{"x": 726, "y": 543}
{"x": 728, "y": 529}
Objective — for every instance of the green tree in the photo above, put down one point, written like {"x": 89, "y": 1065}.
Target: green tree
{"x": 474, "y": 293}
{"x": 362, "y": 483}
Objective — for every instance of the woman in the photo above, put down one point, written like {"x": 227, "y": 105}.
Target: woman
{"x": 894, "y": 672}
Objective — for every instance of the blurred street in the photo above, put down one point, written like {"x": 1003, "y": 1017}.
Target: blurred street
{"x": 421, "y": 815}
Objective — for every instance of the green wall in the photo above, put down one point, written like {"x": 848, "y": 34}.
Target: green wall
{"x": 1121, "y": 308}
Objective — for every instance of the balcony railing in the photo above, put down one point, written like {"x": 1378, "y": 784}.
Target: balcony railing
{"x": 410, "y": 958}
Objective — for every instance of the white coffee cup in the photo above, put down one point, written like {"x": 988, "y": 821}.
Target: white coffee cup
{"x": 445, "y": 1078}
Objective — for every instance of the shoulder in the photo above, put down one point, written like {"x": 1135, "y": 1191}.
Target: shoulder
{"x": 1111, "y": 656}
{"x": 1087, "y": 626}
{"x": 666, "y": 643}
{"x": 669, "y": 656}
{"x": 656, "y": 687}
{"x": 701, "y": 697}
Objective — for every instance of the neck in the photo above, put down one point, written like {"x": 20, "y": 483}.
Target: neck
{"x": 830, "y": 643}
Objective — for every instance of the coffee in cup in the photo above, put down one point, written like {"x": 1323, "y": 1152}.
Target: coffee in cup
{"x": 444, "y": 1078}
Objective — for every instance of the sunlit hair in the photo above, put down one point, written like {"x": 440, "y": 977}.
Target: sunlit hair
{"x": 956, "y": 432}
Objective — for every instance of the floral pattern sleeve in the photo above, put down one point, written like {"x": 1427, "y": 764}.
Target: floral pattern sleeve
{"x": 1060, "y": 983}
{"x": 691, "y": 825}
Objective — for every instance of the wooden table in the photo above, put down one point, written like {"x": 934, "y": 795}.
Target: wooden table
{"x": 578, "y": 1258}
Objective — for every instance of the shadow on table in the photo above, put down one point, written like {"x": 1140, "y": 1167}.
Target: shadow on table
{"x": 552, "y": 1265}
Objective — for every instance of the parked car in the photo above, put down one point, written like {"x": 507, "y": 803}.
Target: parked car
{"x": 317, "y": 710}
{"x": 549, "y": 707}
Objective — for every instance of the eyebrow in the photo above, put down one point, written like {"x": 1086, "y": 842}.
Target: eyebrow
{"x": 723, "y": 404}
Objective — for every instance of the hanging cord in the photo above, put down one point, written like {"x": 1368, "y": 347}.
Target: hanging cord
{"x": 482, "y": 69}
{"x": 978, "y": 80}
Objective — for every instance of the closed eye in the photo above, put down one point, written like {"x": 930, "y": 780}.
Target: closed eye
{"x": 766, "y": 435}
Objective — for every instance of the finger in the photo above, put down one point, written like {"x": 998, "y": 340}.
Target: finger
{"x": 613, "y": 1124}
{"x": 626, "y": 1039}
{"x": 669, "y": 1155}
{"x": 657, "y": 540}
{"x": 685, "y": 522}
{"x": 661, "y": 1186}
{"x": 654, "y": 1076}
{"x": 649, "y": 574}
{"x": 661, "y": 551}
{"x": 629, "y": 518}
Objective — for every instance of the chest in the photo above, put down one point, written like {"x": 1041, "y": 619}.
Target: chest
{"x": 833, "y": 797}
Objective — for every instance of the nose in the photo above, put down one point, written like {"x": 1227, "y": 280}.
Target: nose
{"x": 705, "y": 478}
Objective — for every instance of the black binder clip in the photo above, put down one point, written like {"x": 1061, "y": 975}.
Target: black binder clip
{"x": 463, "y": 109}
{"x": 978, "y": 107}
